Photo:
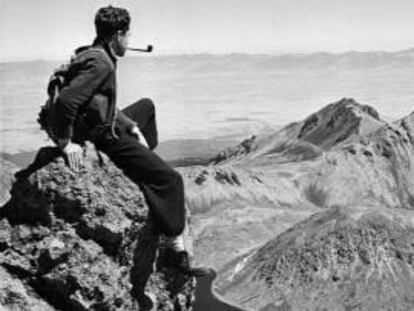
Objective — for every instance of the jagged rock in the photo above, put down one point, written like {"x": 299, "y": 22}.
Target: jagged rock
{"x": 245, "y": 147}
{"x": 7, "y": 170}
{"x": 83, "y": 241}
{"x": 15, "y": 296}
{"x": 341, "y": 259}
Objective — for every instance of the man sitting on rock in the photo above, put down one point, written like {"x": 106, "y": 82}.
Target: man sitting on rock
{"x": 86, "y": 109}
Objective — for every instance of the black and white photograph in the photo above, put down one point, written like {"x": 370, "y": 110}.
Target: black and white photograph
{"x": 221, "y": 155}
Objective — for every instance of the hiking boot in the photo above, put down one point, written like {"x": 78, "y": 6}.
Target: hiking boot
{"x": 178, "y": 257}
{"x": 181, "y": 261}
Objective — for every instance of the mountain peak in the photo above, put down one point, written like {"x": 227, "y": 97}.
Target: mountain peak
{"x": 342, "y": 121}
{"x": 338, "y": 122}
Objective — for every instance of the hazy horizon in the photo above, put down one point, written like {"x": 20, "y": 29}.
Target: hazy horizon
{"x": 275, "y": 54}
{"x": 34, "y": 29}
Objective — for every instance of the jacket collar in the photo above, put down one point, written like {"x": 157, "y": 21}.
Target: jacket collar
{"x": 105, "y": 46}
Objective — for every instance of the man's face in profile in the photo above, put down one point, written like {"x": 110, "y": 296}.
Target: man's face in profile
{"x": 120, "y": 43}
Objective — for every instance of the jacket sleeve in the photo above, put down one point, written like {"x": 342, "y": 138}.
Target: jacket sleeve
{"x": 92, "y": 73}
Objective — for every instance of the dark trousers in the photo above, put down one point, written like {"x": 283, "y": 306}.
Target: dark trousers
{"x": 162, "y": 186}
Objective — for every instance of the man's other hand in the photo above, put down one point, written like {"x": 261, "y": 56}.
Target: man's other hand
{"x": 74, "y": 155}
{"x": 137, "y": 133}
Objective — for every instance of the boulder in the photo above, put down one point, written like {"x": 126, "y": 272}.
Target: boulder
{"x": 84, "y": 241}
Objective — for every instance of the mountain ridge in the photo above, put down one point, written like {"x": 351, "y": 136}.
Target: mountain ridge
{"x": 407, "y": 51}
{"x": 266, "y": 193}
{"x": 335, "y": 123}
{"x": 336, "y": 259}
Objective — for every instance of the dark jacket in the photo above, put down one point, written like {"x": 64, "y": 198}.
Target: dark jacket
{"x": 87, "y": 102}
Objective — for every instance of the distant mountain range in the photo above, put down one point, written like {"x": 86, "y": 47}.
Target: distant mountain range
{"x": 288, "y": 61}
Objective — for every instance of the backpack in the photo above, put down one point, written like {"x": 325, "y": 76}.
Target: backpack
{"x": 47, "y": 117}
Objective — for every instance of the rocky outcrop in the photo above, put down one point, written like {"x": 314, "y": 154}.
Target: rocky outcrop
{"x": 245, "y": 147}
{"x": 342, "y": 259}
{"x": 83, "y": 241}
{"x": 7, "y": 170}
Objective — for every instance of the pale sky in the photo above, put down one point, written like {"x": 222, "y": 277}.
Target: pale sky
{"x": 51, "y": 29}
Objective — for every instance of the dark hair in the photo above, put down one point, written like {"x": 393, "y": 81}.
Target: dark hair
{"x": 109, "y": 20}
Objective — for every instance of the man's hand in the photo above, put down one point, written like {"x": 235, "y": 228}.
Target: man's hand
{"x": 137, "y": 133}
{"x": 73, "y": 153}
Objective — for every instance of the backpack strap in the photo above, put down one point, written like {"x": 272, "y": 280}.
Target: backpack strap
{"x": 111, "y": 112}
